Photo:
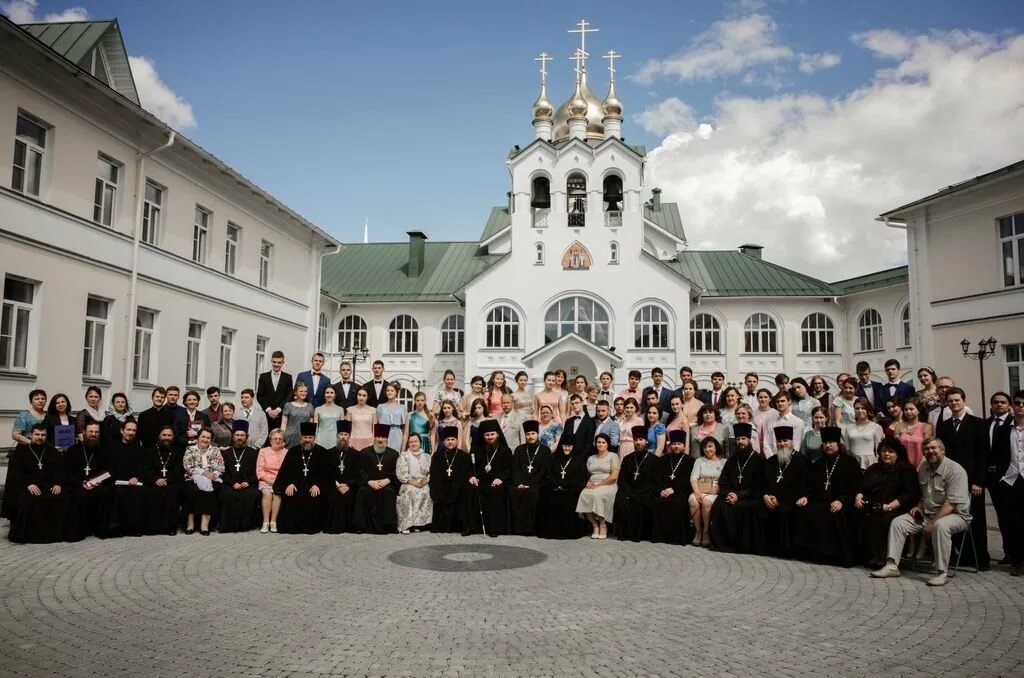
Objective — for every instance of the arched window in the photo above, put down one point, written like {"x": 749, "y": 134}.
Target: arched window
{"x": 541, "y": 196}
{"x": 576, "y": 194}
{"x": 905, "y": 325}
{"x": 583, "y": 316}
{"x": 760, "y": 334}
{"x": 404, "y": 335}
{"x": 650, "y": 327}
{"x": 612, "y": 193}
{"x": 817, "y": 334}
{"x": 502, "y": 328}
{"x": 705, "y": 334}
{"x": 406, "y": 397}
{"x": 352, "y": 333}
{"x": 613, "y": 249}
{"x": 538, "y": 258}
{"x": 322, "y": 333}
{"x": 869, "y": 330}
{"x": 453, "y": 335}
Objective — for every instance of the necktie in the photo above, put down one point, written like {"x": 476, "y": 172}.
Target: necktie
{"x": 956, "y": 425}
{"x": 751, "y": 394}
{"x": 714, "y": 398}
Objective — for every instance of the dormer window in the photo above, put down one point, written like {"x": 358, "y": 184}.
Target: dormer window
{"x": 576, "y": 192}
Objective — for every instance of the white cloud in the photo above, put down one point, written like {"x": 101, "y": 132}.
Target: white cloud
{"x": 728, "y": 47}
{"x": 669, "y": 116}
{"x": 808, "y": 63}
{"x": 24, "y": 12}
{"x": 157, "y": 97}
{"x": 805, "y": 174}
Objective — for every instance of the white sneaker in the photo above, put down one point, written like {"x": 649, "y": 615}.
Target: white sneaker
{"x": 887, "y": 570}
{"x": 265, "y": 528}
{"x": 273, "y": 527}
{"x": 939, "y": 580}
{"x": 405, "y": 531}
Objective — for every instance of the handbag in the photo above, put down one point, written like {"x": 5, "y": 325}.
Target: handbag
{"x": 707, "y": 485}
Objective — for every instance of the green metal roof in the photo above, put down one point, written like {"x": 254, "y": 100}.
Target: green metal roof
{"x": 734, "y": 274}
{"x": 378, "y": 272}
{"x": 956, "y": 188}
{"x": 498, "y": 220}
{"x": 873, "y": 281}
{"x": 666, "y": 218}
{"x": 71, "y": 39}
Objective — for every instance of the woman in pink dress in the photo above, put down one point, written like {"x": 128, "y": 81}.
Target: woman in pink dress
{"x": 630, "y": 418}
{"x": 912, "y": 432}
{"x": 268, "y": 463}
{"x": 550, "y": 396}
{"x": 495, "y": 389}
{"x": 363, "y": 417}
{"x": 676, "y": 419}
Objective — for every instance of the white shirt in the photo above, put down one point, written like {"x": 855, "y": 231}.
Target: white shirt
{"x": 1016, "y": 456}
{"x": 315, "y": 378}
{"x": 274, "y": 378}
{"x": 944, "y": 413}
{"x": 768, "y": 449}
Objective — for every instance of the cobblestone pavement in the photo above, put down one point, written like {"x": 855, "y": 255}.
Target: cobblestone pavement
{"x": 254, "y": 604}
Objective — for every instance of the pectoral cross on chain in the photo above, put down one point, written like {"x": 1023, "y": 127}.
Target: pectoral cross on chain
{"x": 380, "y": 466}
{"x": 238, "y": 466}
{"x": 529, "y": 468}
{"x": 563, "y": 474}
{"x": 86, "y": 469}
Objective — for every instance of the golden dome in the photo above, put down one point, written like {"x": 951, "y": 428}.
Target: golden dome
{"x": 543, "y": 109}
{"x": 593, "y": 114}
{"x": 577, "y": 105}
{"x": 611, "y": 106}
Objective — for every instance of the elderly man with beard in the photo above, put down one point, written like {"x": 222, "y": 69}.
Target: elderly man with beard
{"x": 736, "y": 524}
{"x": 300, "y": 482}
{"x": 165, "y": 480}
{"x": 487, "y": 491}
{"x": 343, "y": 469}
{"x": 42, "y": 503}
{"x": 239, "y": 492}
{"x": 89, "y": 495}
{"x": 825, "y": 527}
{"x": 449, "y": 477}
{"x": 130, "y": 474}
{"x": 785, "y": 481}
{"x": 375, "y": 510}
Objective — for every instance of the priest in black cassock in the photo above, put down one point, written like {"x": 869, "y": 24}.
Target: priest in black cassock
{"x": 449, "y": 478}
{"x": 90, "y": 500}
{"x": 670, "y": 510}
{"x": 130, "y": 473}
{"x": 564, "y": 479}
{"x": 165, "y": 478}
{"x": 638, "y": 475}
{"x": 736, "y": 517}
{"x": 239, "y": 490}
{"x": 825, "y": 527}
{"x": 300, "y": 482}
{"x": 345, "y": 478}
{"x": 487, "y": 491}
{"x": 42, "y": 504}
{"x": 375, "y": 510}
{"x": 529, "y": 461}
{"x": 785, "y": 481}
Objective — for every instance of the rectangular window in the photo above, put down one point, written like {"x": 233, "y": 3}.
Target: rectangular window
{"x": 261, "y": 357}
{"x": 29, "y": 151}
{"x": 15, "y": 320}
{"x": 1011, "y": 243}
{"x": 107, "y": 174}
{"x": 151, "y": 212}
{"x": 234, "y": 234}
{"x": 227, "y": 343}
{"x": 266, "y": 261}
{"x": 194, "y": 353}
{"x": 1014, "y": 366}
{"x": 97, "y": 313}
{"x": 200, "y": 232}
{"x": 145, "y": 328}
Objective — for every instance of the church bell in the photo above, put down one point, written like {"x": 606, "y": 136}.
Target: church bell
{"x": 541, "y": 194}
{"x": 613, "y": 194}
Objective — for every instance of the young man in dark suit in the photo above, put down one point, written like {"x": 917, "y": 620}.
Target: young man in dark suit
{"x": 375, "y": 387}
{"x": 273, "y": 389}
{"x": 965, "y": 438}
{"x": 869, "y": 388}
{"x": 345, "y": 389}
{"x": 1002, "y": 483}
{"x": 315, "y": 380}
{"x": 895, "y": 387}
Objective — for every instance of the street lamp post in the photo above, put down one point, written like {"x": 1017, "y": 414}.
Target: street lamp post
{"x": 355, "y": 355}
{"x": 986, "y": 349}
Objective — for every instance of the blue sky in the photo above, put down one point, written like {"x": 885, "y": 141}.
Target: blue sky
{"x": 404, "y": 112}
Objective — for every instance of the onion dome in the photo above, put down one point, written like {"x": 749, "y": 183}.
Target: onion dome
{"x": 543, "y": 109}
{"x": 611, "y": 106}
{"x": 593, "y": 114}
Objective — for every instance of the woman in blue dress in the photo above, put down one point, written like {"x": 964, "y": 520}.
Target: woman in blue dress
{"x": 655, "y": 430}
{"x": 394, "y": 414}
{"x": 421, "y": 421}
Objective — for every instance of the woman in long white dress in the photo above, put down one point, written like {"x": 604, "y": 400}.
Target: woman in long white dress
{"x": 415, "y": 509}
{"x": 597, "y": 500}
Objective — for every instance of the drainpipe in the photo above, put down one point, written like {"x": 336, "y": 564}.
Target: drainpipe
{"x": 331, "y": 250}
{"x": 140, "y": 188}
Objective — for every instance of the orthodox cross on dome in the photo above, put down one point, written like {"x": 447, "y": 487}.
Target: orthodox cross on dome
{"x": 544, "y": 58}
{"x": 582, "y": 30}
{"x": 611, "y": 56}
{"x": 580, "y": 57}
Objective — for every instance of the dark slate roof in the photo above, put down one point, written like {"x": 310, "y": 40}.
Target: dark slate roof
{"x": 956, "y": 188}
{"x": 728, "y": 273}
{"x": 666, "y": 218}
{"x": 378, "y": 272}
{"x": 873, "y": 281}
{"x": 498, "y": 220}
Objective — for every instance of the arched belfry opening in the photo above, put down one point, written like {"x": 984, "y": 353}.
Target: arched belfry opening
{"x": 576, "y": 194}
{"x": 613, "y": 199}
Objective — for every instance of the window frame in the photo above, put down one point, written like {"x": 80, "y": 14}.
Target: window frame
{"x": 201, "y": 234}
{"x": 225, "y": 365}
{"x": 766, "y": 333}
{"x": 645, "y": 329}
{"x": 360, "y": 330}
{"x": 404, "y": 339}
{"x": 261, "y": 356}
{"x": 194, "y": 353}
{"x": 29, "y": 147}
{"x": 102, "y": 213}
{"x": 593, "y": 323}
{"x": 706, "y": 334}
{"x": 266, "y": 263}
{"x": 143, "y": 347}
{"x": 322, "y": 332}
{"x": 906, "y": 328}
{"x": 152, "y": 213}
{"x": 453, "y": 336}
{"x": 538, "y": 254}
{"x": 1015, "y": 222}
{"x": 95, "y": 344}
{"x": 504, "y": 332}
{"x": 231, "y": 247}
{"x": 821, "y": 336}
{"x": 18, "y": 314}
{"x": 1013, "y": 368}
{"x": 869, "y": 332}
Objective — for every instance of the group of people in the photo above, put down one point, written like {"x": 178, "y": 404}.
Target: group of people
{"x": 795, "y": 472}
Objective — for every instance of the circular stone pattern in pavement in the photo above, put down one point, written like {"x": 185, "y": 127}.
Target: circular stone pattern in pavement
{"x": 467, "y": 557}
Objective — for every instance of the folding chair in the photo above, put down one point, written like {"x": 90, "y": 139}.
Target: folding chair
{"x": 967, "y": 537}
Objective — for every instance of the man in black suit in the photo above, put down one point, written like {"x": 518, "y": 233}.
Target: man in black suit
{"x": 895, "y": 387}
{"x": 345, "y": 389}
{"x": 713, "y": 396}
{"x": 274, "y": 389}
{"x": 581, "y": 425}
{"x": 870, "y": 389}
{"x": 964, "y": 436}
{"x": 998, "y": 460}
{"x": 664, "y": 392}
{"x": 375, "y": 387}
{"x": 151, "y": 421}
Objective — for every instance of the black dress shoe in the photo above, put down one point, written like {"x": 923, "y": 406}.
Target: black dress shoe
{"x": 190, "y": 531}
{"x": 1005, "y": 561}
{"x": 1015, "y": 570}
{"x": 205, "y": 533}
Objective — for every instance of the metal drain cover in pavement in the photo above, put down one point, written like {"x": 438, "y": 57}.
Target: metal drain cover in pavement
{"x": 467, "y": 557}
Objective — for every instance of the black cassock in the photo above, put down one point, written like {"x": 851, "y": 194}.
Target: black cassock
{"x": 491, "y": 465}
{"x": 128, "y": 513}
{"x": 635, "y": 496}
{"x": 528, "y": 466}
{"x": 820, "y": 534}
{"x": 302, "y": 513}
{"x": 564, "y": 479}
{"x": 447, "y": 488}
{"x": 670, "y": 516}
{"x": 89, "y": 514}
{"x": 738, "y": 527}
{"x": 375, "y": 509}
{"x": 164, "y": 501}
{"x": 787, "y": 484}
{"x": 342, "y": 469}
{"x": 239, "y": 509}
{"x": 38, "y": 519}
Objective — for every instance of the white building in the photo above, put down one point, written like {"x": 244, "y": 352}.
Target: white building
{"x": 586, "y": 269}
{"x": 129, "y": 255}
